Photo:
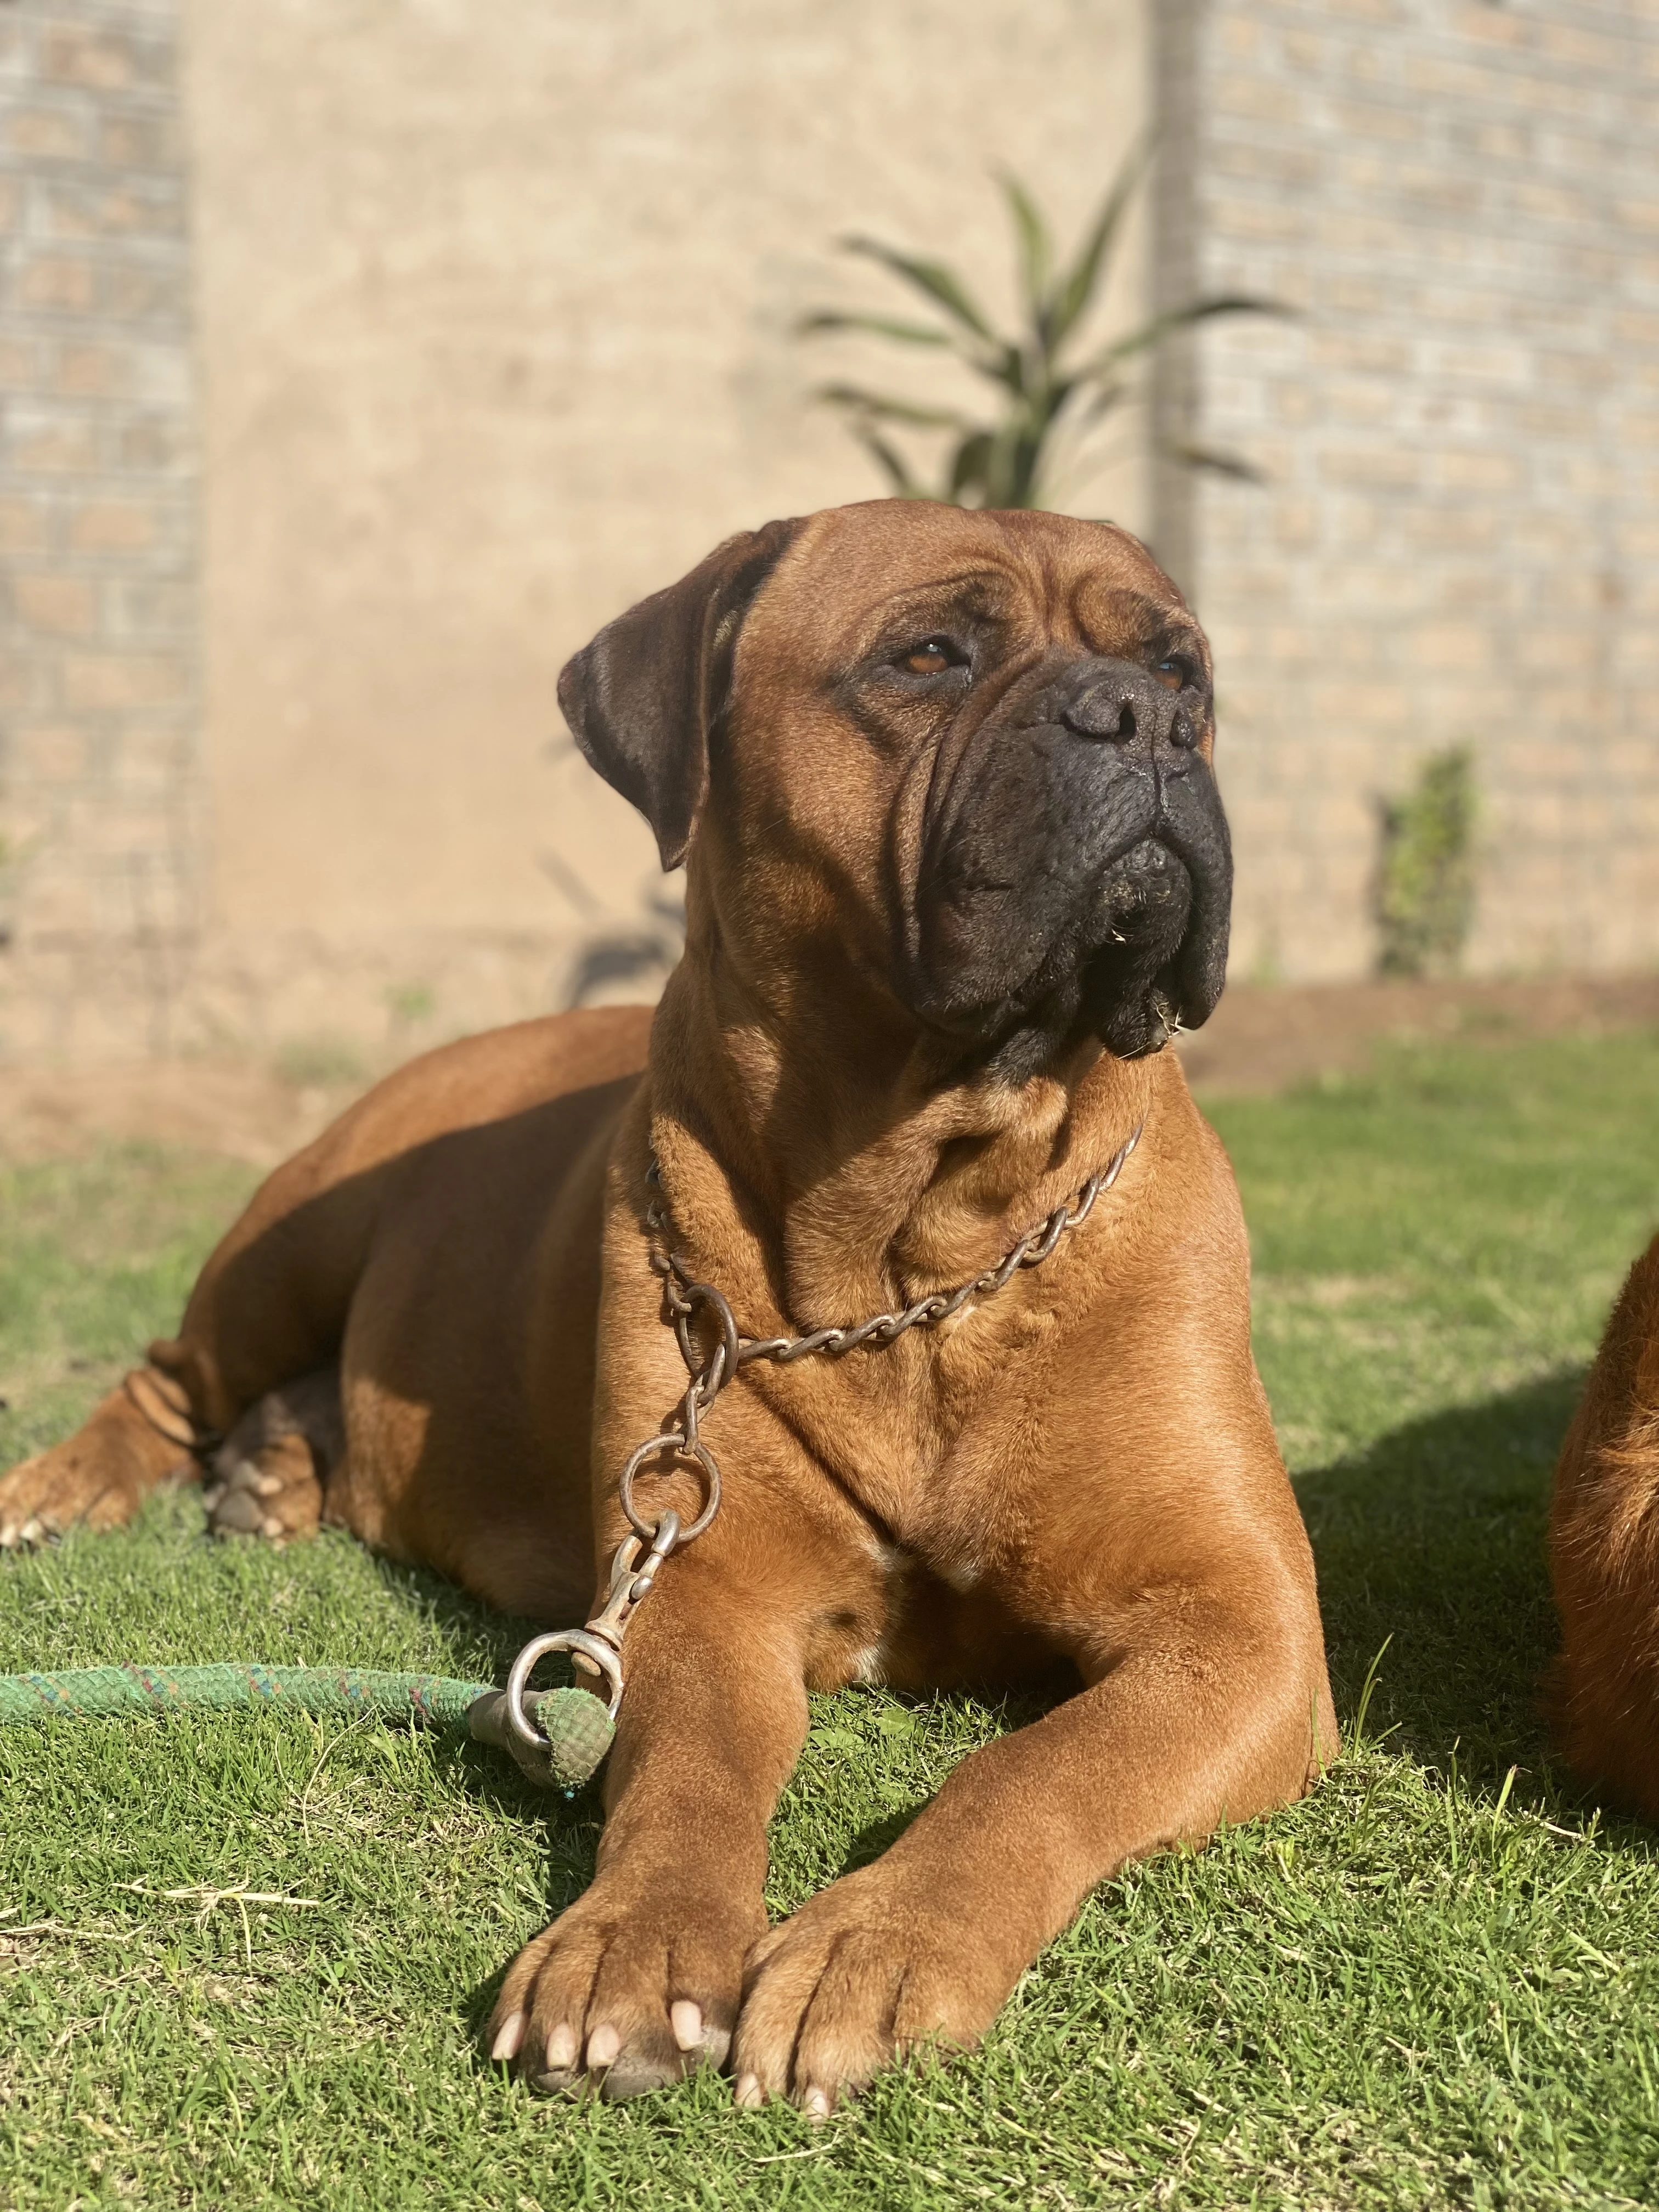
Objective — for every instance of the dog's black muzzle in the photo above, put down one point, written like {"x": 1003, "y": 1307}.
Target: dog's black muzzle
{"x": 1077, "y": 870}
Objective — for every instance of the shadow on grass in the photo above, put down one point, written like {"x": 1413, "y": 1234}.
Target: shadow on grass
{"x": 487, "y": 1642}
{"x": 461, "y": 1618}
{"x": 1434, "y": 1538}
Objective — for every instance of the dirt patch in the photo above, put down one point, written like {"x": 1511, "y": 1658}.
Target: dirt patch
{"x": 1261, "y": 1039}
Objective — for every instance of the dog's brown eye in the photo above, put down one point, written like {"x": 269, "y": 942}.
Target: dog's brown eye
{"x": 932, "y": 656}
{"x": 1175, "y": 672}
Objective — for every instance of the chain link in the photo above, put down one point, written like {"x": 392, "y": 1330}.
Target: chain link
{"x": 597, "y": 1649}
{"x": 683, "y": 1296}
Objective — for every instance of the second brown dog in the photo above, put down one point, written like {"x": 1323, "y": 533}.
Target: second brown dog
{"x": 1604, "y": 1556}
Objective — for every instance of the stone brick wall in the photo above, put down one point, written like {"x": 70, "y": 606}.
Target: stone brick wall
{"x": 1458, "y": 539}
{"x": 102, "y": 853}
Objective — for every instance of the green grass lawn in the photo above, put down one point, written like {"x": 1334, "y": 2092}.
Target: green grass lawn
{"x": 245, "y": 1963}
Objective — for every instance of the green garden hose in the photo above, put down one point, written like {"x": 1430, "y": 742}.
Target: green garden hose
{"x": 576, "y": 1725}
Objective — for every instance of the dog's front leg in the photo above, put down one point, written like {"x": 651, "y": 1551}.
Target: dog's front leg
{"x": 1207, "y": 1705}
{"x": 640, "y": 1980}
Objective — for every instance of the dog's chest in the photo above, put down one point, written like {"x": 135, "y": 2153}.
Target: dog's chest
{"x": 931, "y": 1436}
{"x": 920, "y": 1631}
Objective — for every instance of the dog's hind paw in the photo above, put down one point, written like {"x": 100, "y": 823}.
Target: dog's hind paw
{"x": 97, "y": 1478}
{"x": 267, "y": 1477}
{"x": 272, "y": 1491}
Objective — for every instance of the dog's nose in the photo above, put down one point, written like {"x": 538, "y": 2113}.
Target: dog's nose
{"x": 1127, "y": 705}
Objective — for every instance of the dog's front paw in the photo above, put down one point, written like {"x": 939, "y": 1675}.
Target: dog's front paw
{"x": 867, "y": 1972}
{"x": 635, "y": 1986}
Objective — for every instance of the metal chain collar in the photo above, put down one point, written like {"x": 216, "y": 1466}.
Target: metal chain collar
{"x": 597, "y": 1649}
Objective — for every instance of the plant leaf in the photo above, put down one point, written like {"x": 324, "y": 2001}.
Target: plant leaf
{"x": 1181, "y": 319}
{"x": 1218, "y": 463}
{"x": 1075, "y": 292}
{"x": 1035, "y": 246}
{"x": 891, "y": 410}
{"x": 1007, "y": 368}
{"x": 939, "y": 282}
{"x": 1106, "y": 396}
{"x": 883, "y": 326}
{"x": 968, "y": 466}
{"x": 1003, "y": 471}
{"x": 888, "y": 457}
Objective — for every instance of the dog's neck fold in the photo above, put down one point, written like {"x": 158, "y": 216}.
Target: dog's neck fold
{"x": 818, "y": 1155}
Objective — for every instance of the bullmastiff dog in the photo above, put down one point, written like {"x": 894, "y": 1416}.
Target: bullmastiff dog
{"x": 1604, "y": 1557}
{"x": 957, "y": 871}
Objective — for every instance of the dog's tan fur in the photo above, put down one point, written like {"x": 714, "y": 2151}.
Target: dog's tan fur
{"x": 1604, "y": 1556}
{"x": 1080, "y": 1472}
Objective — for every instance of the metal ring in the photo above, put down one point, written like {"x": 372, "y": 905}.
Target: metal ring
{"x": 717, "y": 1371}
{"x": 561, "y": 1639}
{"x": 684, "y": 1449}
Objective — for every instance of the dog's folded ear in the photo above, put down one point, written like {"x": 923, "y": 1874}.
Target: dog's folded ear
{"x": 643, "y": 699}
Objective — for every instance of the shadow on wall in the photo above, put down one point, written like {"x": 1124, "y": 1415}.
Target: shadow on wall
{"x": 637, "y": 960}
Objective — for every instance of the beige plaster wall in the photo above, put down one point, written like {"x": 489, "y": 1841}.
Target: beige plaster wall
{"x": 495, "y": 308}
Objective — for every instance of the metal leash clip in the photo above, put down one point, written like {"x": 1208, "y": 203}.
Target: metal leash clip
{"x": 560, "y": 1736}
{"x": 599, "y": 1643}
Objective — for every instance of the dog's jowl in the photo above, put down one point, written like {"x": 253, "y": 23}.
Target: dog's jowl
{"x": 957, "y": 869}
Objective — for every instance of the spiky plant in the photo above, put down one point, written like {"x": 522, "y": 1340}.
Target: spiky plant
{"x": 1049, "y": 387}
{"x": 1426, "y": 887}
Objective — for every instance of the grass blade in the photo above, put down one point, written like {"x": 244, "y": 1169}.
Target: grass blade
{"x": 1358, "y": 1738}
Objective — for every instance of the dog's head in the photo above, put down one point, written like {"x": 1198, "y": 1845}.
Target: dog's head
{"x": 968, "y": 752}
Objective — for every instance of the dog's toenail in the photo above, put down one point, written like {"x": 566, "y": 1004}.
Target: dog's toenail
{"x": 816, "y": 2104}
{"x": 748, "y": 2092}
{"x": 602, "y": 2046}
{"x": 508, "y": 2037}
{"x": 686, "y": 2020}
{"x": 561, "y": 2047}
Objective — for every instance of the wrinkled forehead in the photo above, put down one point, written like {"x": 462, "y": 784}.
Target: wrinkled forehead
{"x": 856, "y": 576}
